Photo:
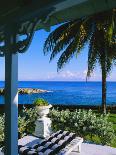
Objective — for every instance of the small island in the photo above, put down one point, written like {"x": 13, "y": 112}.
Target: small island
{"x": 26, "y": 91}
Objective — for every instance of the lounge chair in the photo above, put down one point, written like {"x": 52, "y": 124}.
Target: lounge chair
{"x": 60, "y": 143}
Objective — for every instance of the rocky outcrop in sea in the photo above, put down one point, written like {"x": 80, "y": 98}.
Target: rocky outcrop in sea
{"x": 26, "y": 91}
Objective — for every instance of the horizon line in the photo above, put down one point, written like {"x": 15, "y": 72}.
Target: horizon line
{"x": 56, "y": 81}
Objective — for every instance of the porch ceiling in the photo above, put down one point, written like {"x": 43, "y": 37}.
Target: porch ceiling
{"x": 50, "y": 12}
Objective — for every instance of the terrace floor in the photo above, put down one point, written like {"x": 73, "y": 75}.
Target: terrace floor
{"x": 92, "y": 149}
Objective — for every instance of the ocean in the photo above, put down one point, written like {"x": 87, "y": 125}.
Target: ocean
{"x": 67, "y": 93}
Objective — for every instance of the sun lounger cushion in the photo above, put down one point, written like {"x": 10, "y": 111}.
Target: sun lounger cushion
{"x": 53, "y": 145}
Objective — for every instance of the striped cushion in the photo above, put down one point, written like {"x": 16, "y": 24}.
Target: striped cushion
{"x": 56, "y": 142}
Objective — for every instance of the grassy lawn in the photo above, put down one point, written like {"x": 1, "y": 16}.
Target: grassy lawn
{"x": 112, "y": 118}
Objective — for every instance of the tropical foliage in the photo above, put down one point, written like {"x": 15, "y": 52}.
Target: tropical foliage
{"x": 2, "y": 117}
{"x": 85, "y": 124}
{"x": 26, "y": 123}
{"x": 98, "y": 32}
{"x": 40, "y": 102}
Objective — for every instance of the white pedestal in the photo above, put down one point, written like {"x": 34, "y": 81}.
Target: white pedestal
{"x": 43, "y": 127}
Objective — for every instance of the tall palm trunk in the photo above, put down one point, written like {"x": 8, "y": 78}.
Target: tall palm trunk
{"x": 103, "y": 89}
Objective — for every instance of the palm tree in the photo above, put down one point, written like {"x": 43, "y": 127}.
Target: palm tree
{"x": 98, "y": 31}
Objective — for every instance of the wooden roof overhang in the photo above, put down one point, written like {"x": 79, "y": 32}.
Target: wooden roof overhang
{"x": 50, "y": 12}
{"x": 31, "y": 15}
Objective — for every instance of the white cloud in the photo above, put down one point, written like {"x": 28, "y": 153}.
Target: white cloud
{"x": 85, "y": 72}
{"x": 66, "y": 75}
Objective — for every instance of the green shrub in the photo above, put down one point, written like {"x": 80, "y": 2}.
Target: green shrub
{"x": 1, "y": 130}
{"x": 40, "y": 102}
{"x": 83, "y": 123}
{"x": 26, "y": 123}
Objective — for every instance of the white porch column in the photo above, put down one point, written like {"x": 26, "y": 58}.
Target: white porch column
{"x": 11, "y": 96}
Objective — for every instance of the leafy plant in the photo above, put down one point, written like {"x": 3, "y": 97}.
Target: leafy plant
{"x": 40, "y": 102}
{"x": 84, "y": 123}
{"x": 1, "y": 130}
{"x": 27, "y": 118}
{"x": 26, "y": 123}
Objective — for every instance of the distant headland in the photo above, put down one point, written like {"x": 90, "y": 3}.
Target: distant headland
{"x": 26, "y": 91}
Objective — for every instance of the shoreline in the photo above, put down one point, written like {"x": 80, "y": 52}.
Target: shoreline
{"x": 26, "y": 91}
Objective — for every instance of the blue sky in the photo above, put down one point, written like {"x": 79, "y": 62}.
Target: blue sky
{"x": 34, "y": 66}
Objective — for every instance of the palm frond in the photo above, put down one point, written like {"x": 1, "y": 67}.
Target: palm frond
{"x": 53, "y": 37}
{"x": 67, "y": 54}
{"x": 92, "y": 56}
{"x": 85, "y": 32}
{"x": 57, "y": 36}
{"x": 66, "y": 38}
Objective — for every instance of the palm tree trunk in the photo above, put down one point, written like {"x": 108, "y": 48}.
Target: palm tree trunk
{"x": 103, "y": 90}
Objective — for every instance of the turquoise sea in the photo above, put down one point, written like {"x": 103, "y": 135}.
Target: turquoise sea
{"x": 68, "y": 93}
